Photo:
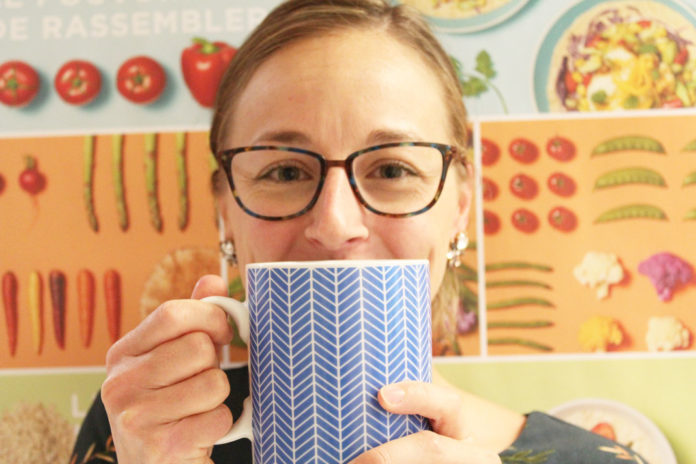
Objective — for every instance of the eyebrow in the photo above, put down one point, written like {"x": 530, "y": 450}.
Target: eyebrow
{"x": 288, "y": 137}
{"x": 375, "y": 137}
{"x": 379, "y": 136}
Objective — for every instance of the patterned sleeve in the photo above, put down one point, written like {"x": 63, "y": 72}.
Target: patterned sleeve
{"x": 94, "y": 444}
{"x": 548, "y": 440}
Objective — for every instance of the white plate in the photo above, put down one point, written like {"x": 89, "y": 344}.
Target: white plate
{"x": 627, "y": 422}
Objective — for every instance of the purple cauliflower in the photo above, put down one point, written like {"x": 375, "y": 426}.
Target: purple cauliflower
{"x": 666, "y": 272}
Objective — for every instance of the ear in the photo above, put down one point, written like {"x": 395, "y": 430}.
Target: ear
{"x": 465, "y": 189}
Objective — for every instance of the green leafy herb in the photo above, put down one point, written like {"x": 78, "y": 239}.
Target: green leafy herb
{"x": 476, "y": 83}
{"x": 484, "y": 64}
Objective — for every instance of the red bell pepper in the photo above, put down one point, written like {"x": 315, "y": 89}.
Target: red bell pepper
{"x": 203, "y": 65}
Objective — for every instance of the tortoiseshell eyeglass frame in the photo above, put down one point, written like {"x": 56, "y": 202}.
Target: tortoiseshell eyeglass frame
{"x": 448, "y": 152}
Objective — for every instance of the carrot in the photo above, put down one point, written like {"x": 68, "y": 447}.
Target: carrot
{"x": 9, "y": 299}
{"x": 36, "y": 310}
{"x": 85, "y": 305}
{"x": 56, "y": 284}
{"x": 112, "y": 295}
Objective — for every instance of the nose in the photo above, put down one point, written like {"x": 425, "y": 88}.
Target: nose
{"x": 336, "y": 220}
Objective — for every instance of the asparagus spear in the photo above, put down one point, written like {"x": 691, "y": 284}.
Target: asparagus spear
{"x": 117, "y": 168}
{"x": 182, "y": 179}
{"x": 88, "y": 181}
{"x": 151, "y": 180}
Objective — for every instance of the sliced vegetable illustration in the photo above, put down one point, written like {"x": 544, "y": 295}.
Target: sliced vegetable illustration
{"x": 518, "y": 265}
{"x": 112, "y": 295}
{"x": 628, "y": 142}
{"x": 516, "y": 283}
{"x": 690, "y": 179}
{"x": 182, "y": 180}
{"x": 35, "y": 299}
{"x": 690, "y": 215}
{"x": 151, "y": 180}
{"x": 88, "y": 181}
{"x": 634, "y": 211}
{"x": 521, "y": 301}
{"x": 519, "y": 341}
{"x": 9, "y": 301}
{"x": 518, "y": 324}
{"x": 631, "y": 175}
{"x": 85, "y": 305}
{"x": 119, "y": 190}
{"x": 56, "y": 285}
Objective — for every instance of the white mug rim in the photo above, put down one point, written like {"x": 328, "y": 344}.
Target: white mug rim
{"x": 323, "y": 264}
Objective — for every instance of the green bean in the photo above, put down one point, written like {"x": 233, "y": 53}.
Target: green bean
{"x": 516, "y": 283}
{"x": 690, "y": 179}
{"x": 117, "y": 168}
{"x": 628, "y": 142}
{"x": 518, "y": 265}
{"x": 182, "y": 179}
{"x": 88, "y": 181}
{"x": 691, "y": 146}
{"x": 519, "y": 341}
{"x": 151, "y": 180}
{"x": 691, "y": 215}
{"x": 636, "y": 175}
{"x": 518, "y": 324}
{"x": 635, "y": 211}
{"x": 522, "y": 301}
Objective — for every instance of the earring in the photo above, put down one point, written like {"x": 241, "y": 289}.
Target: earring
{"x": 227, "y": 251}
{"x": 456, "y": 249}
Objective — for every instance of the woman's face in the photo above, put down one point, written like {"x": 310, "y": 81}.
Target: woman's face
{"x": 335, "y": 95}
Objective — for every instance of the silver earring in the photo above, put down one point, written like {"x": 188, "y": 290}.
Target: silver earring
{"x": 456, "y": 249}
{"x": 228, "y": 252}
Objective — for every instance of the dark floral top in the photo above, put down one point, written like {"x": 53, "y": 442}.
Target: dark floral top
{"x": 543, "y": 440}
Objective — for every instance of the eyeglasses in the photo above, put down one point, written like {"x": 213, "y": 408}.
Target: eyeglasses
{"x": 397, "y": 179}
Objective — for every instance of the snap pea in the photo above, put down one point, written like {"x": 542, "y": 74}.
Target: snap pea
{"x": 691, "y": 146}
{"x": 516, "y": 283}
{"x": 517, "y": 265}
{"x": 691, "y": 215}
{"x": 519, "y": 341}
{"x": 631, "y": 212}
{"x": 632, "y": 175}
{"x": 628, "y": 142}
{"x": 690, "y": 179}
{"x": 522, "y": 301}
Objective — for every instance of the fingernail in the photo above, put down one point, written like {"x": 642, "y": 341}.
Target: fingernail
{"x": 393, "y": 394}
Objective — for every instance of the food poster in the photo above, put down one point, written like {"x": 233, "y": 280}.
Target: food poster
{"x": 599, "y": 90}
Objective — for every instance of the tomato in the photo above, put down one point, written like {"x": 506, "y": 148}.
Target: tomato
{"x": 523, "y": 150}
{"x": 490, "y": 189}
{"x": 491, "y": 222}
{"x": 682, "y": 56}
{"x": 78, "y": 82}
{"x": 562, "y": 219}
{"x": 560, "y": 148}
{"x": 523, "y": 186}
{"x": 604, "y": 429}
{"x": 2, "y": 183}
{"x": 525, "y": 220}
{"x": 489, "y": 152}
{"x": 19, "y": 83}
{"x": 561, "y": 184}
{"x": 570, "y": 83}
{"x": 141, "y": 79}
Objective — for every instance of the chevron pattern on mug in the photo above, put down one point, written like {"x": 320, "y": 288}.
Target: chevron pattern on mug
{"x": 323, "y": 341}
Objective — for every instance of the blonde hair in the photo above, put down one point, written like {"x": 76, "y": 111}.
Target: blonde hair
{"x": 295, "y": 20}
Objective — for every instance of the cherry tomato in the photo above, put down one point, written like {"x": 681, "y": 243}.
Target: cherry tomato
{"x": 31, "y": 179}
{"x": 490, "y": 189}
{"x": 562, "y": 219}
{"x": 561, "y": 184}
{"x": 78, "y": 82}
{"x": 525, "y": 220}
{"x": 560, "y": 148}
{"x": 489, "y": 152}
{"x": 523, "y": 150}
{"x": 523, "y": 186}
{"x": 604, "y": 429}
{"x": 491, "y": 222}
{"x": 19, "y": 83}
{"x": 141, "y": 79}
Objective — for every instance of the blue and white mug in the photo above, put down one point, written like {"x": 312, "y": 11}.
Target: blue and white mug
{"x": 324, "y": 337}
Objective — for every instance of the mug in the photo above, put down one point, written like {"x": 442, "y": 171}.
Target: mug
{"x": 323, "y": 338}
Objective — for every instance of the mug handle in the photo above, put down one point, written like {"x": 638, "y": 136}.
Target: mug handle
{"x": 242, "y": 428}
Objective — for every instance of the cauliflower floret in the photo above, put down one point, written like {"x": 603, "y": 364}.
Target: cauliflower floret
{"x": 600, "y": 333}
{"x": 599, "y": 270}
{"x": 666, "y": 272}
{"x": 666, "y": 333}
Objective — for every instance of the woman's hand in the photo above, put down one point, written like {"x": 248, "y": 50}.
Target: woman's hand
{"x": 164, "y": 389}
{"x": 459, "y": 434}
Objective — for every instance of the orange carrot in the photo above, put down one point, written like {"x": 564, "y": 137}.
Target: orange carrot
{"x": 56, "y": 284}
{"x": 35, "y": 295}
{"x": 85, "y": 305}
{"x": 112, "y": 295}
{"x": 9, "y": 299}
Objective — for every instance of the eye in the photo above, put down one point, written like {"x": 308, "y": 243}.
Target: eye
{"x": 392, "y": 170}
{"x": 284, "y": 172}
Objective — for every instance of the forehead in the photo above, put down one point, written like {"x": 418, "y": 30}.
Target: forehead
{"x": 341, "y": 85}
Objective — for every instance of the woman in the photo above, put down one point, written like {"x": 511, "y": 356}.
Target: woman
{"x": 333, "y": 78}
